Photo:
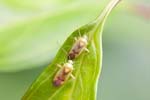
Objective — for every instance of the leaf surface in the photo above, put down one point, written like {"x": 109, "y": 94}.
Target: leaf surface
{"x": 87, "y": 66}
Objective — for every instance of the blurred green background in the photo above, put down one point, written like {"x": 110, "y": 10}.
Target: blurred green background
{"x": 32, "y": 31}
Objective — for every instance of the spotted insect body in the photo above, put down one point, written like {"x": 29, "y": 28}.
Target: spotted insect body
{"x": 78, "y": 47}
{"x": 63, "y": 74}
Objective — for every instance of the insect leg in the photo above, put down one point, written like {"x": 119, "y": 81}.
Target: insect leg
{"x": 58, "y": 65}
{"x": 87, "y": 50}
{"x": 72, "y": 76}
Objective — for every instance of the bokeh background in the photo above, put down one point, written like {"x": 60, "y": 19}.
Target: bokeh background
{"x": 31, "y": 31}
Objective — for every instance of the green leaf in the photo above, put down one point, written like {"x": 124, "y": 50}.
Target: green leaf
{"x": 87, "y": 66}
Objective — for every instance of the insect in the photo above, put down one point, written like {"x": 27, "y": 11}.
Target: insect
{"x": 78, "y": 47}
{"x": 64, "y": 73}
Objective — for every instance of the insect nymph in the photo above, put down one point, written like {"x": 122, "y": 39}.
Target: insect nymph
{"x": 64, "y": 73}
{"x": 78, "y": 47}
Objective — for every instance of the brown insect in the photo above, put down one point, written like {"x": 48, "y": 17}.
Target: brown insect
{"x": 64, "y": 73}
{"x": 78, "y": 47}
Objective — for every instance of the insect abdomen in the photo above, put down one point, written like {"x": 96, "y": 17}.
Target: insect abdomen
{"x": 57, "y": 82}
{"x": 61, "y": 76}
{"x": 76, "y": 49}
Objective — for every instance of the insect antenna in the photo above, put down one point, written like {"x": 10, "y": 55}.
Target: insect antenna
{"x": 64, "y": 51}
{"x": 79, "y": 33}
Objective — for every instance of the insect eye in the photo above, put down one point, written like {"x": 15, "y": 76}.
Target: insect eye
{"x": 70, "y": 61}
